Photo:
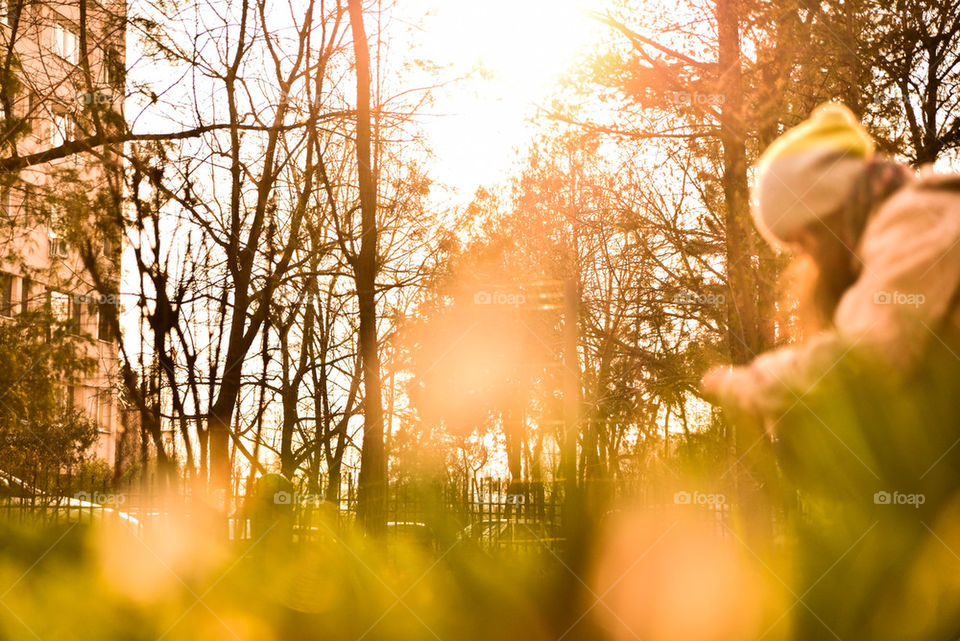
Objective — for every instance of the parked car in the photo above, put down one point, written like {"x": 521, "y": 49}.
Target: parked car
{"x": 413, "y": 533}
{"x": 31, "y": 502}
{"x": 522, "y": 535}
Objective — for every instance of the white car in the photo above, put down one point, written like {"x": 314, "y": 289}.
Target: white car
{"x": 27, "y": 500}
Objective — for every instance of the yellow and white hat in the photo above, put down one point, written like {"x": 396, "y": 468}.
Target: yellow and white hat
{"x": 809, "y": 172}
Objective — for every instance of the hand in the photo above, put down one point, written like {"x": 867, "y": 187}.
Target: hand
{"x": 714, "y": 383}
{"x": 729, "y": 386}
{"x": 733, "y": 388}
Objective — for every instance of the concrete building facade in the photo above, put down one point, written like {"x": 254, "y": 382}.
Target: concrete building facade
{"x": 63, "y": 82}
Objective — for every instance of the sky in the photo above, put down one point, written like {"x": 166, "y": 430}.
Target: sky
{"x": 476, "y": 127}
{"x": 498, "y": 60}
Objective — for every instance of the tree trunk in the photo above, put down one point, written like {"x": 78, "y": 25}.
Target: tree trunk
{"x": 513, "y": 431}
{"x": 219, "y": 442}
{"x": 743, "y": 329}
{"x": 288, "y": 463}
{"x": 571, "y": 394}
{"x": 373, "y": 465}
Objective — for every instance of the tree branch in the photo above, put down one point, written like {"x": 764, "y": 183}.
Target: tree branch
{"x": 71, "y": 147}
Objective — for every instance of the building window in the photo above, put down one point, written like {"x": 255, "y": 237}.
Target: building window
{"x": 76, "y": 316}
{"x": 58, "y": 245}
{"x": 29, "y": 205}
{"x": 65, "y": 43}
{"x": 60, "y": 306}
{"x": 33, "y": 117}
{"x": 26, "y": 291}
{"x": 6, "y": 294}
{"x": 104, "y": 410}
{"x": 61, "y": 129}
{"x": 67, "y": 396}
{"x": 5, "y": 205}
{"x": 106, "y": 73}
{"x": 114, "y": 70}
{"x": 89, "y": 400}
{"x": 104, "y": 328}
{"x": 98, "y": 405}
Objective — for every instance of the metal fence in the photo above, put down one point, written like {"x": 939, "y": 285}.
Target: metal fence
{"x": 493, "y": 513}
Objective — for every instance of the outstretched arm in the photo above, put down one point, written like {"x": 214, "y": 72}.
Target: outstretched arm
{"x": 903, "y": 300}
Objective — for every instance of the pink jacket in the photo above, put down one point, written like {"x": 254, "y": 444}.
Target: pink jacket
{"x": 906, "y": 295}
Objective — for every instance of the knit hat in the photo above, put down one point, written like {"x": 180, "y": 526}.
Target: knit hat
{"x": 809, "y": 172}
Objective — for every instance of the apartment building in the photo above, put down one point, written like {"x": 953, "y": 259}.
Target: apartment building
{"x": 63, "y": 65}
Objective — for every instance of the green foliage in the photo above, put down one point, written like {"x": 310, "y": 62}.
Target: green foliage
{"x": 182, "y": 583}
{"x": 92, "y": 476}
{"x": 38, "y": 427}
{"x": 869, "y": 493}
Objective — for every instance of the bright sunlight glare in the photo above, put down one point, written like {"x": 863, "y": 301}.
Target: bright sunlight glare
{"x": 518, "y": 49}
{"x": 523, "y": 44}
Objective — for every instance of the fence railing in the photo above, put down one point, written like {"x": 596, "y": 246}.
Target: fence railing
{"x": 493, "y": 513}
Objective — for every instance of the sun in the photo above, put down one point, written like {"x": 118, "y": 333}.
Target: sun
{"x": 509, "y": 53}
{"x": 524, "y": 44}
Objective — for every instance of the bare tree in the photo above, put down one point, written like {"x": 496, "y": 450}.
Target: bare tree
{"x": 373, "y": 465}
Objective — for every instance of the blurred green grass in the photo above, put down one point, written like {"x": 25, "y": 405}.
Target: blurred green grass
{"x": 847, "y": 526}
